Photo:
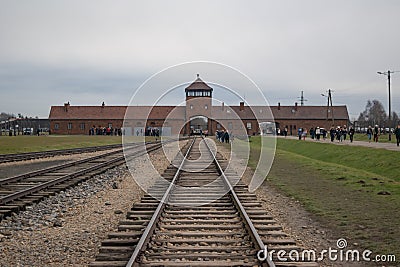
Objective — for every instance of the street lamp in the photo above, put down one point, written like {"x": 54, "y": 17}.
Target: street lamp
{"x": 387, "y": 73}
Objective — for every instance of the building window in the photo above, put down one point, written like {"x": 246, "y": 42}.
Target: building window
{"x": 191, "y": 106}
{"x": 69, "y": 127}
{"x": 56, "y": 126}
{"x": 218, "y": 126}
{"x": 230, "y": 126}
{"x": 110, "y": 125}
{"x": 249, "y": 125}
{"x": 294, "y": 126}
{"x": 82, "y": 126}
{"x": 206, "y": 107}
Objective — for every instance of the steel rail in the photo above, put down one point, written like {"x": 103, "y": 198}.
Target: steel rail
{"x": 37, "y": 188}
{"x": 69, "y": 164}
{"x": 249, "y": 224}
{"x": 53, "y": 168}
{"x": 49, "y": 153}
{"x": 148, "y": 232}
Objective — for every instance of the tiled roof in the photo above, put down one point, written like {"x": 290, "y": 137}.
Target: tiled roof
{"x": 198, "y": 84}
{"x": 86, "y": 112}
{"x": 309, "y": 112}
{"x": 228, "y": 112}
{"x": 280, "y": 113}
{"x": 114, "y": 112}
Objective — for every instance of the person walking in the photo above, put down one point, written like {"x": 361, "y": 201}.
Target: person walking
{"x": 369, "y": 134}
{"x": 397, "y": 133}
{"x": 299, "y": 133}
{"x": 226, "y": 137}
{"x": 318, "y": 133}
{"x": 339, "y": 134}
{"x": 344, "y": 132}
{"x": 351, "y": 134}
{"x": 376, "y": 133}
{"x": 332, "y": 132}
{"x": 304, "y": 133}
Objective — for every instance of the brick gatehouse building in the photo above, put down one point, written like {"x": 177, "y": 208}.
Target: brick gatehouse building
{"x": 199, "y": 113}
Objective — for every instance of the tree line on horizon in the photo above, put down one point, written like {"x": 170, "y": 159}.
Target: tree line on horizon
{"x": 6, "y": 116}
{"x": 375, "y": 114}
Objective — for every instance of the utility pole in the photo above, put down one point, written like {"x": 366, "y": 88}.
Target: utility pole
{"x": 387, "y": 73}
{"x": 329, "y": 96}
{"x": 302, "y": 99}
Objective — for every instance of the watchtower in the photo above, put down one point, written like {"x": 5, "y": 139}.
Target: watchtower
{"x": 198, "y": 106}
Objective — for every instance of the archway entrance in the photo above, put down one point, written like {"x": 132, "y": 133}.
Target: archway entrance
{"x": 198, "y": 125}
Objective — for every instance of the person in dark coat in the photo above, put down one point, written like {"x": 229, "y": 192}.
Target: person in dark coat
{"x": 397, "y": 133}
{"x": 351, "y": 134}
{"x": 332, "y": 132}
{"x": 226, "y": 137}
{"x": 376, "y": 133}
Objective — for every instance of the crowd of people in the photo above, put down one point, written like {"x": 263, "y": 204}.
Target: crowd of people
{"x": 151, "y": 131}
{"x": 222, "y": 136}
{"x": 339, "y": 133}
{"x": 105, "y": 131}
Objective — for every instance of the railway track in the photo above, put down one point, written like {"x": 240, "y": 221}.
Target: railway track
{"x": 22, "y": 190}
{"x": 51, "y": 153}
{"x": 201, "y": 220}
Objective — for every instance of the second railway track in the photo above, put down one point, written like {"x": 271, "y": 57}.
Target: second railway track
{"x": 19, "y": 191}
{"x": 201, "y": 220}
{"x": 51, "y": 153}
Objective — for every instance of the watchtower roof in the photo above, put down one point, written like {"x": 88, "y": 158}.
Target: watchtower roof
{"x": 198, "y": 85}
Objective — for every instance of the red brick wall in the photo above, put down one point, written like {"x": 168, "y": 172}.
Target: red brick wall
{"x": 76, "y": 128}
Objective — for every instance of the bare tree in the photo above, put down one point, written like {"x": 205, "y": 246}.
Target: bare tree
{"x": 374, "y": 114}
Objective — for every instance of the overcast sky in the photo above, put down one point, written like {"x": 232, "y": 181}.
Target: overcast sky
{"x": 87, "y": 52}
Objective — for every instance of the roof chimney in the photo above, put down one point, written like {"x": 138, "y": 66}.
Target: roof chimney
{"x": 241, "y": 108}
{"x": 66, "y": 105}
{"x": 223, "y": 106}
{"x": 279, "y": 105}
{"x": 295, "y": 106}
{"x": 102, "y": 104}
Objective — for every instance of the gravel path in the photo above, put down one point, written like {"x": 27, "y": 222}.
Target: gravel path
{"x": 67, "y": 229}
{"x": 382, "y": 145}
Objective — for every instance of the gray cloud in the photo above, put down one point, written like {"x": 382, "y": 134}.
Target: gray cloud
{"x": 90, "y": 51}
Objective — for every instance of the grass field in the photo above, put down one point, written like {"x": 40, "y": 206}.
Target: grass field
{"x": 355, "y": 191}
{"x": 26, "y": 143}
{"x": 384, "y": 138}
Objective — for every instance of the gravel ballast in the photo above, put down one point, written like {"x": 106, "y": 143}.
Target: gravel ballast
{"x": 67, "y": 229}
